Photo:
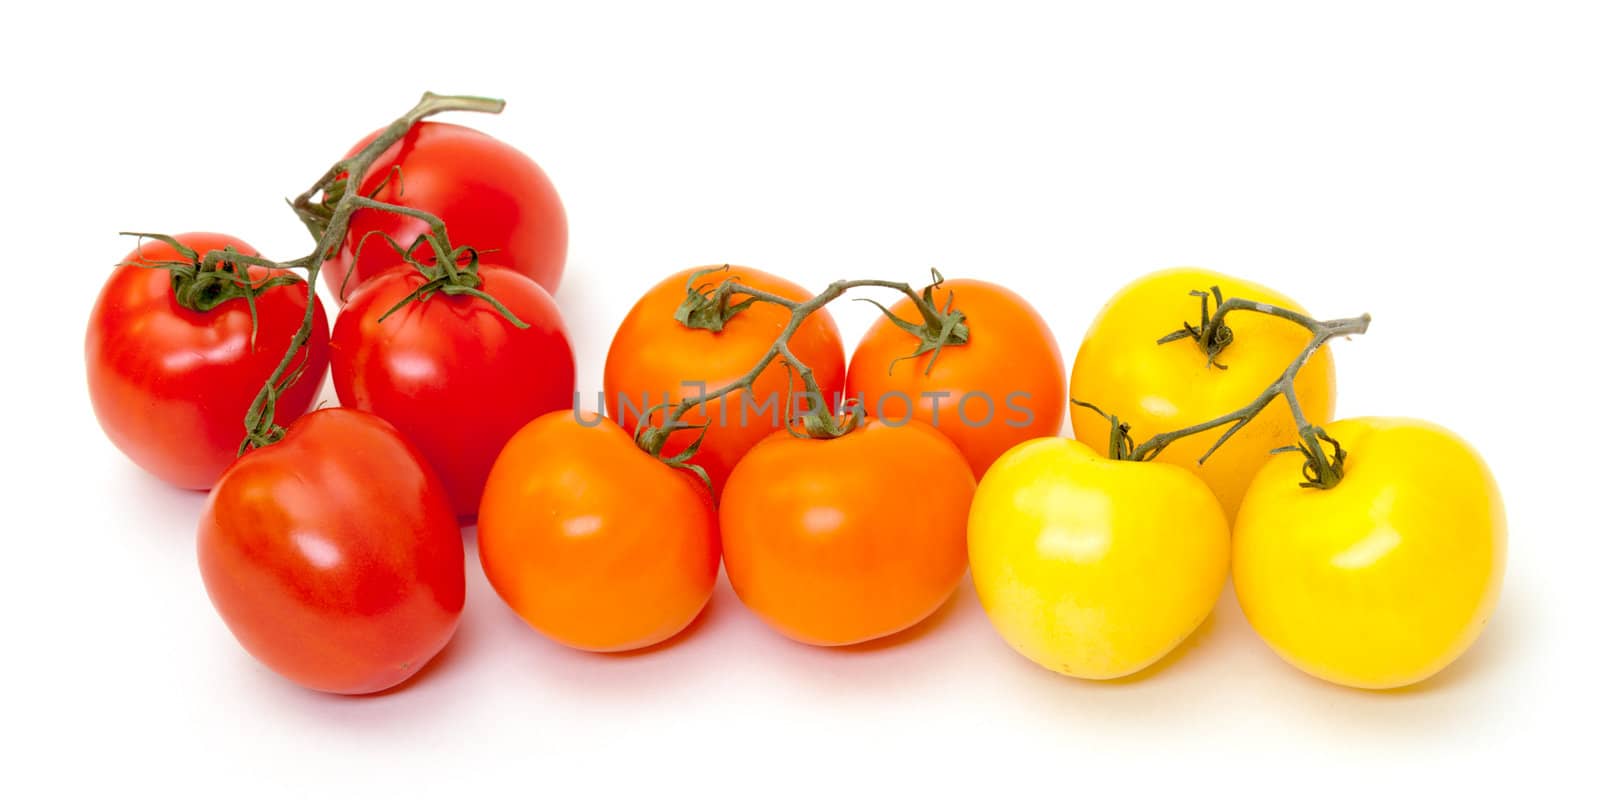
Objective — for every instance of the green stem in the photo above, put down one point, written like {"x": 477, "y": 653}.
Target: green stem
{"x": 1213, "y": 335}
{"x": 1321, "y": 332}
{"x": 260, "y": 426}
{"x": 821, "y": 423}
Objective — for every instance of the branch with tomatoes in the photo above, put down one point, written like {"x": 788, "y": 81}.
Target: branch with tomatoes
{"x": 846, "y": 500}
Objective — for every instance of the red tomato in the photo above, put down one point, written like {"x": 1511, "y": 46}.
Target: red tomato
{"x": 593, "y": 542}
{"x": 490, "y": 196}
{"x": 333, "y": 555}
{"x": 450, "y": 372}
{"x": 653, "y": 357}
{"x": 842, "y": 540}
{"x": 171, "y": 385}
{"x": 1005, "y": 385}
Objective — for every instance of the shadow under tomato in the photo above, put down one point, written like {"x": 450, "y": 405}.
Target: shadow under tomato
{"x": 1501, "y": 640}
{"x": 683, "y": 635}
{"x": 939, "y": 618}
{"x": 1200, "y": 634}
{"x": 173, "y": 511}
{"x": 429, "y": 671}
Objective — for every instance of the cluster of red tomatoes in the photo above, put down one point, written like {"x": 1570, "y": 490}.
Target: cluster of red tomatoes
{"x": 334, "y": 553}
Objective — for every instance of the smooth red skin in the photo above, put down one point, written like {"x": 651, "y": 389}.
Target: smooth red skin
{"x": 490, "y": 196}
{"x": 452, "y": 374}
{"x": 333, "y": 555}
{"x": 170, "y": 385}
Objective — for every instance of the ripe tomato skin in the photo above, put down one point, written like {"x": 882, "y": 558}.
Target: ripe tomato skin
{"x": 840, "y": 541}
{"x": 333, "y": 555}
{"x": 1158, "y": 388}
{"x": 593, "y": 542}
{"x": 1092, "y": 567}
{"x": 1011, "y": 353}
{"x": 170, "y": 386}
{"x": 490, "y": 195}
{"x": 1389, "y": 576}
{"x": 451, "y": 373}
{"x": 654, "y": 355}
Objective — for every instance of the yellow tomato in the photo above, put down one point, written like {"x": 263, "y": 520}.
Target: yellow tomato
{"x": 1387, "y": 577}
{"x": 1159, "y": 388}
{"x": 1092, "y": 567}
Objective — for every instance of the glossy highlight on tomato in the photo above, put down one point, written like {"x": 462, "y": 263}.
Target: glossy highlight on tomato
{"x": 1386, "y": 578}
{"x": 333, "y": 555}
{"x": 171, "y": 385}
{"x": 491, "y": 196}
{"x": 451, "y": 372}
{"x": 593, "y": 542}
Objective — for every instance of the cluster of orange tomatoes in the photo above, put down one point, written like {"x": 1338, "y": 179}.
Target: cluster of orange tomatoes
{"x": 333, "y": 548}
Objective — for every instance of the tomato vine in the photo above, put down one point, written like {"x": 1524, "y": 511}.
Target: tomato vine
{"x": 710, "y": 308}
{"x": 204, "y": 282}
{"x": 1212, "y": 336}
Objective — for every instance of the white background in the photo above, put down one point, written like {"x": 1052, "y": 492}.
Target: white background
{"x": 1438, "y": 166}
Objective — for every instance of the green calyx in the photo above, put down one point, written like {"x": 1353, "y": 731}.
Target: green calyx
{"x": 939, "y": 327}
{"x": 452, "y": 272}
{"x": 202, "y": 283}
{"x": 1212, "y": 335}
{"x": 708, "y": 306}
{"x": 1119, "y": 447}
{"x": 1319, "y": 470}
{"x": 652, "y": 438}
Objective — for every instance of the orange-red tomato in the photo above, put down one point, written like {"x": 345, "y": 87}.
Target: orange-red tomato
{"x": 839, "y": 541}
{"x": 333, "y": 555}
{"x": 1005, "y": 385}
{"x": 653, "y": 357}
{"x": 592, "y": 541}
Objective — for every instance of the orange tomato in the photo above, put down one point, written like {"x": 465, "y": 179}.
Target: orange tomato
{"x": 839, "y": 541}
{"x": 595, "y": 543}
{"x": 654, "y": 357}
{"x": 1005, "y": 385}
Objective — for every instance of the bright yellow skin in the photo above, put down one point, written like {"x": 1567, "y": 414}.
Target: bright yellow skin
{"x": 1091, "y": 567}
{"x": 1159, "y": 388}
{"x": 1384, "y": 579}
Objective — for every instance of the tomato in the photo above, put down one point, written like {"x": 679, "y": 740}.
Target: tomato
{"x": 1092, "y": 567}
{"x": 593, "y": 542}
{"x": 1385, "y": 578}
{"x": 654, "y": 357}
{"x": 170, "y": 385}
{"x": 843, "y": 540}
{"x": 1159, "y": 388}
{"x": 450, "y": 371}
{"x": 333, "y": 555}
{"x": 490, "y": 196}
{"x": 1003, "y": 386}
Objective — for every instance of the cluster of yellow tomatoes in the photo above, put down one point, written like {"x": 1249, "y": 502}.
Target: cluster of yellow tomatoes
{"x": 1098, "y": 568}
